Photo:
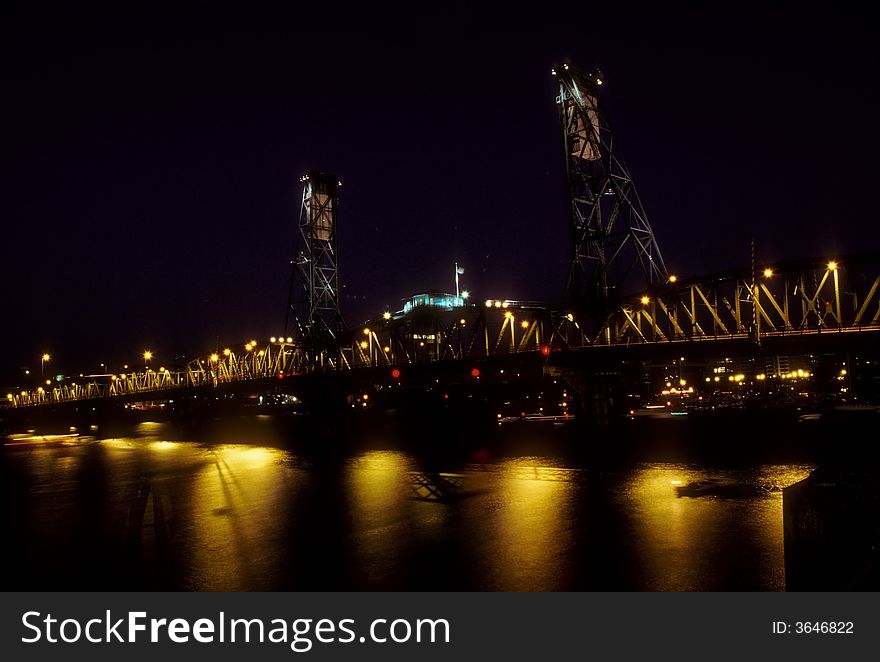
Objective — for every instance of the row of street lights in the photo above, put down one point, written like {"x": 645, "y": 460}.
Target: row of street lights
{"x": 46, "y": 357}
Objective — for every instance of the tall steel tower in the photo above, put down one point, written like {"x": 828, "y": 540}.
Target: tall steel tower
{"x": 615, "y": 252}
{"x": 314, "y": 287}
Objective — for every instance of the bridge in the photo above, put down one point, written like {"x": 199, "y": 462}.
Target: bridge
{"x": 621, "y": 299}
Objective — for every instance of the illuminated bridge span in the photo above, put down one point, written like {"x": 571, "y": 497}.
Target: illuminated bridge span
{"x": 812, "y": 300}
{"x": 614, "y": 251}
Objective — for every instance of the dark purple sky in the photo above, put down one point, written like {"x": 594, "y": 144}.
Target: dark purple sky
{"x": 151, "y": 164}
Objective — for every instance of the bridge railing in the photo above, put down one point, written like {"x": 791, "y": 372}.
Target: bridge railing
{"x": 254, "y": 363}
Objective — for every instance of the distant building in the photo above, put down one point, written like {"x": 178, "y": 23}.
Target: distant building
{"x": 433, "y": 299}
{"x": 777, "y": 365}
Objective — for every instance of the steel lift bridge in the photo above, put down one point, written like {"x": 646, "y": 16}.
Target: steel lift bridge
{"x": 620, "y": 296}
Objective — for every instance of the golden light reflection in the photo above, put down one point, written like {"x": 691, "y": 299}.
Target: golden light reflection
{"x": 529, "y": 511}
{"x": 162, "y": 446}
{"x": 680, "y": 517}
{"x": 233, "y": 518}
{"x": 150, "y": 430}
{"x": 380, "y": 497}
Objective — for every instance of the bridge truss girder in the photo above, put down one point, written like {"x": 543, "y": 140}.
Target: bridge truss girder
{"x": 795, "y": 299}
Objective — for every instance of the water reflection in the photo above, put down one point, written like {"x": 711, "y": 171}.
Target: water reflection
{"x": 150, "y": 512}
{"x": 712, "y": 538}
{"x": 381, "y": 519}
{"x": 231, "y": 524}
{"x": 530, "y": 509}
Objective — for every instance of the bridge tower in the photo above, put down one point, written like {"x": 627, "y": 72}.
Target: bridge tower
{"x": 313, "y": 300}
{"x": 614, "y": 249}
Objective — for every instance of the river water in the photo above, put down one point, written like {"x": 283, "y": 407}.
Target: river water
{"x": 147, "y": 512}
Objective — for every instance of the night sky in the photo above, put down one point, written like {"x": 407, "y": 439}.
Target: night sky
{"x": 151, "y": 163}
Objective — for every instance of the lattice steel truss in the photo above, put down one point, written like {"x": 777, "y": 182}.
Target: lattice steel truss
{"x": 610, "y": 231}
{"x": 314, "y": 289}
{"x": 809, "y": 299}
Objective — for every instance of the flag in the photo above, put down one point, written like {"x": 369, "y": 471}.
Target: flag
{"x": 459, "y": 270}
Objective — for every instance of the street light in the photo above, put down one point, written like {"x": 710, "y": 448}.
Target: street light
{"x": 43, "y": 359}
{"x": 147, "y": 356}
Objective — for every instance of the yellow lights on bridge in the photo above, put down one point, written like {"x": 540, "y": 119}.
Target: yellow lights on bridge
{"x": 673, "y": 278}
{"x": 289, "y": 339}
{"x": 227, "y": 352}
{"x": 570, "y": 317}
{"x": 494, "y": 303}
{"x": 366, "y": 332}
{"x": 645, "y": 300}
{"x": 364, "y": 344}
{"x": 248, "y": 347}
{"x": 386, "y": 315}
{"x": 214, "y": 358}
{"x": 148, "y": 355}
{"x": 272, "y": 339}
{"x": 768, "y": 273}
{"x": 508, "y": 314}
{"x": 682, "y": 382}
{"x": 524, "y": 324}
{"x": 761, "y": 377}
{"x": 832, "y": 266}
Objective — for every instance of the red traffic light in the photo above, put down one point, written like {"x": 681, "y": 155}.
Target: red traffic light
{"x": 395, "y": 374}
{"x": 475, "y": 372}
